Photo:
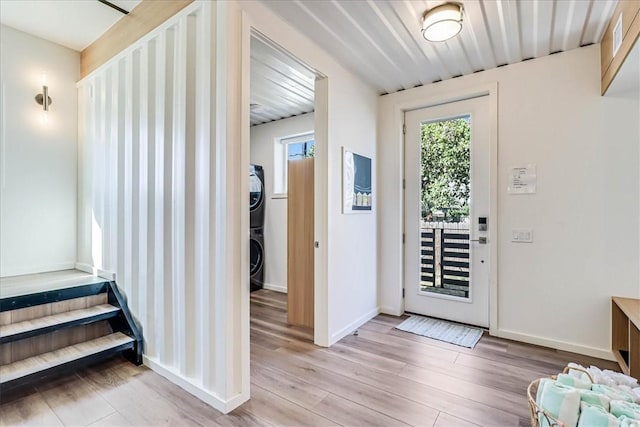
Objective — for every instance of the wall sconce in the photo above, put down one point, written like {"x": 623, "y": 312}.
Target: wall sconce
{"x": 442, "y": 22}
{"x": 44, "y": 99}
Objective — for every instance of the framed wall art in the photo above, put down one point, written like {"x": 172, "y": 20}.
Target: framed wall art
{"x": 357, "y": 189}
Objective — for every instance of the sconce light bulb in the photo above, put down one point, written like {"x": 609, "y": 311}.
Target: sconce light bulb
{"x": 45, "y": 117}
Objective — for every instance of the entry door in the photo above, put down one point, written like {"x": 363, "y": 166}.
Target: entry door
{"x": 447, "y": 200}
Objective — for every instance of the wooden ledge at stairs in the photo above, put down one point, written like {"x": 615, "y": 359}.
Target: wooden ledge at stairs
{"x": 625, "y": 334}
{"x": 630, "y": 307}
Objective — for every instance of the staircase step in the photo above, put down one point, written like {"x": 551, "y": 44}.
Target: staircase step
{"x": 42, "y": 325}
{"x": 83, "y": 352}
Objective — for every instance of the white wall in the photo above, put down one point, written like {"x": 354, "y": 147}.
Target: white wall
{"x": 38, "y": 161}
{"x": 263, "y": 138}
{"x": 555, "y": 291}
{"x": 159, "y": 198}
{"x": 346, "y": 291}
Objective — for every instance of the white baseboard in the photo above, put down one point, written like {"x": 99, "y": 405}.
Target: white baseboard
{"x": 558, "y": 345}
{"x": 108, "y": 275}
{"x": 353, "y": 325}
{"x": 275, "y": 288}
{"x": 224, "y": 406}
{"x": 38, "y": 269}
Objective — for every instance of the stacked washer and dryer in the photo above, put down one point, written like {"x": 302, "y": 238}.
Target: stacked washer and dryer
{"x": 257, "y": 202}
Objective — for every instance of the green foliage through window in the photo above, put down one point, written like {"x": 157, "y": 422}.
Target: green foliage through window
{"x": 445, "y": 166}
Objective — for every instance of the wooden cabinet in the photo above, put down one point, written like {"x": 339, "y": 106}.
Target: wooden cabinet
{"x": 300, "y": 242}
{"x": 625, "y": 334}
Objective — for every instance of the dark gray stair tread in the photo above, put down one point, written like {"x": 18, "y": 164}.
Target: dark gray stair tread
{"x": 42, "y": 362}
{"x": 55, "y": 319}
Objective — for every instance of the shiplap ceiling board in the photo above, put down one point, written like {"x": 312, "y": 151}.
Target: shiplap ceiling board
{"x": 280, "y": 86}
{"x": 381, "y": 41}
{"x": 71, "y": 23}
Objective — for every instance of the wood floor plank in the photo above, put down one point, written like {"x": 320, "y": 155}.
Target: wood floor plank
{"x": 287, "y": 386}
{"x": 114, "y": 420}
{"x": 403, "y": 388}
{"x": 390, "y": 404}
{"x": 74, "y": 401}
{"x": 446, "y": 420}
{"x": 31, "y": 410}
{"x": 513, "y": 403}
{"x": 241, "y": 418}
{"x": 348, "y": 413}
{"x": 278, "y": 411}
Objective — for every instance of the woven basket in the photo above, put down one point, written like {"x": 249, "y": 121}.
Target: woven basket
{"x": 536, "y": 412}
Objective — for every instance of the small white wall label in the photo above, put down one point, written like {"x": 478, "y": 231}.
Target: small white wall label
{"x": 522, "y": 180}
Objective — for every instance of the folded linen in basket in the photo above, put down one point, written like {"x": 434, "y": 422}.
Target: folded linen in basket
{"x": 595, "y": 399}
{"x": 612, "y": 392}
{"x": 620, "y": 378}
{"x": 594, "y": 416}
{"x": 561, "y": 401}
{"x": 572, "y": 381}
{"x": 623, "y": 408}
{"x": 628, "y": 422}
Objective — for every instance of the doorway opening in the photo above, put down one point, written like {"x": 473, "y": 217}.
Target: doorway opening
{"x": 447, "y": 210}
{"x": 281, "y": 153}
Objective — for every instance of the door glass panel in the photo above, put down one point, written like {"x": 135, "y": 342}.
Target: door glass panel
{"x": 445, "y": 203}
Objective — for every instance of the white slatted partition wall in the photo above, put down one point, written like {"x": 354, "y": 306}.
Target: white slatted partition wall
{"x": 149, "y": 191}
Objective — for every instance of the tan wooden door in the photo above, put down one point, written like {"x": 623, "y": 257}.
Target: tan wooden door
{"x": 300, "y": 243}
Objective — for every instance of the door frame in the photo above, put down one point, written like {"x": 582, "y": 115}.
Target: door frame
{"x": 249, "y": 27}
{"x": 474, "y": 308}
{"x": 446, "y": 97}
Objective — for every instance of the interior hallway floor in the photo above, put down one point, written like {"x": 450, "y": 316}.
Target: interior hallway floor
{"x": 382, "y": 376}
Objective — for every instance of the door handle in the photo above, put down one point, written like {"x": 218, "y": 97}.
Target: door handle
{"x": 481, "y": 240}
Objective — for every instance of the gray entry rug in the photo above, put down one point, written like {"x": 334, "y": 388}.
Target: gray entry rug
{"x": 442, "y": 330}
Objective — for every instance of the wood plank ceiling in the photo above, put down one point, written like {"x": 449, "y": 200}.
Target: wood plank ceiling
{"x": 380, "y": 40}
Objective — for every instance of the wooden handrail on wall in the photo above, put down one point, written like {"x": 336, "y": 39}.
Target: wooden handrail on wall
{"x": 140, "y": 21}
{"x": 610, "y": 65}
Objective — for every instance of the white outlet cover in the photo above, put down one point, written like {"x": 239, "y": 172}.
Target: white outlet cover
{"x": 524, "y": 235}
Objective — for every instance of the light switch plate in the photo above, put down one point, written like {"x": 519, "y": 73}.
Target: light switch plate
{"x": 523, "y": 235}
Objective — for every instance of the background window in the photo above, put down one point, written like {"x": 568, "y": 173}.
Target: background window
{"x": 290, "y": 148}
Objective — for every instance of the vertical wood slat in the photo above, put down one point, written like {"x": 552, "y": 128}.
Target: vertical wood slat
{"x": 145, "y": 180}
{"x": 178, "y": 185}
{"x": 190, "y": 208}
{"x": 125, "y": 196}
{"x": 159, "y": 265}
{"x": 169, "y": 194}
{"x": 300, "y": 236}
{"x": 201, "y": 196}
{"x": 143, "y": 183}
{"x": 206, "y": 154}
{"x": 135, "y": 262}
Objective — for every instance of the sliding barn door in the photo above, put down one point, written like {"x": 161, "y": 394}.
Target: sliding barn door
{"x": 300, "y": 243}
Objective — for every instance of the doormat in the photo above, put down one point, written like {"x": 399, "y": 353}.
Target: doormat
{"x": 442, "y": 330}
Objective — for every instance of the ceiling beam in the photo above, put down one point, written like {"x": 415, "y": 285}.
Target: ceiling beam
{"x": 141, "y": 20}
{"x": 114, "y": 6}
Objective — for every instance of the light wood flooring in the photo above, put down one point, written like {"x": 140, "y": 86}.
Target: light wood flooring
{"x": 382, "y": 377}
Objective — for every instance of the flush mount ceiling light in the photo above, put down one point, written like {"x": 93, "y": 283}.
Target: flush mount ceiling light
{"x": 442, "y": 22}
